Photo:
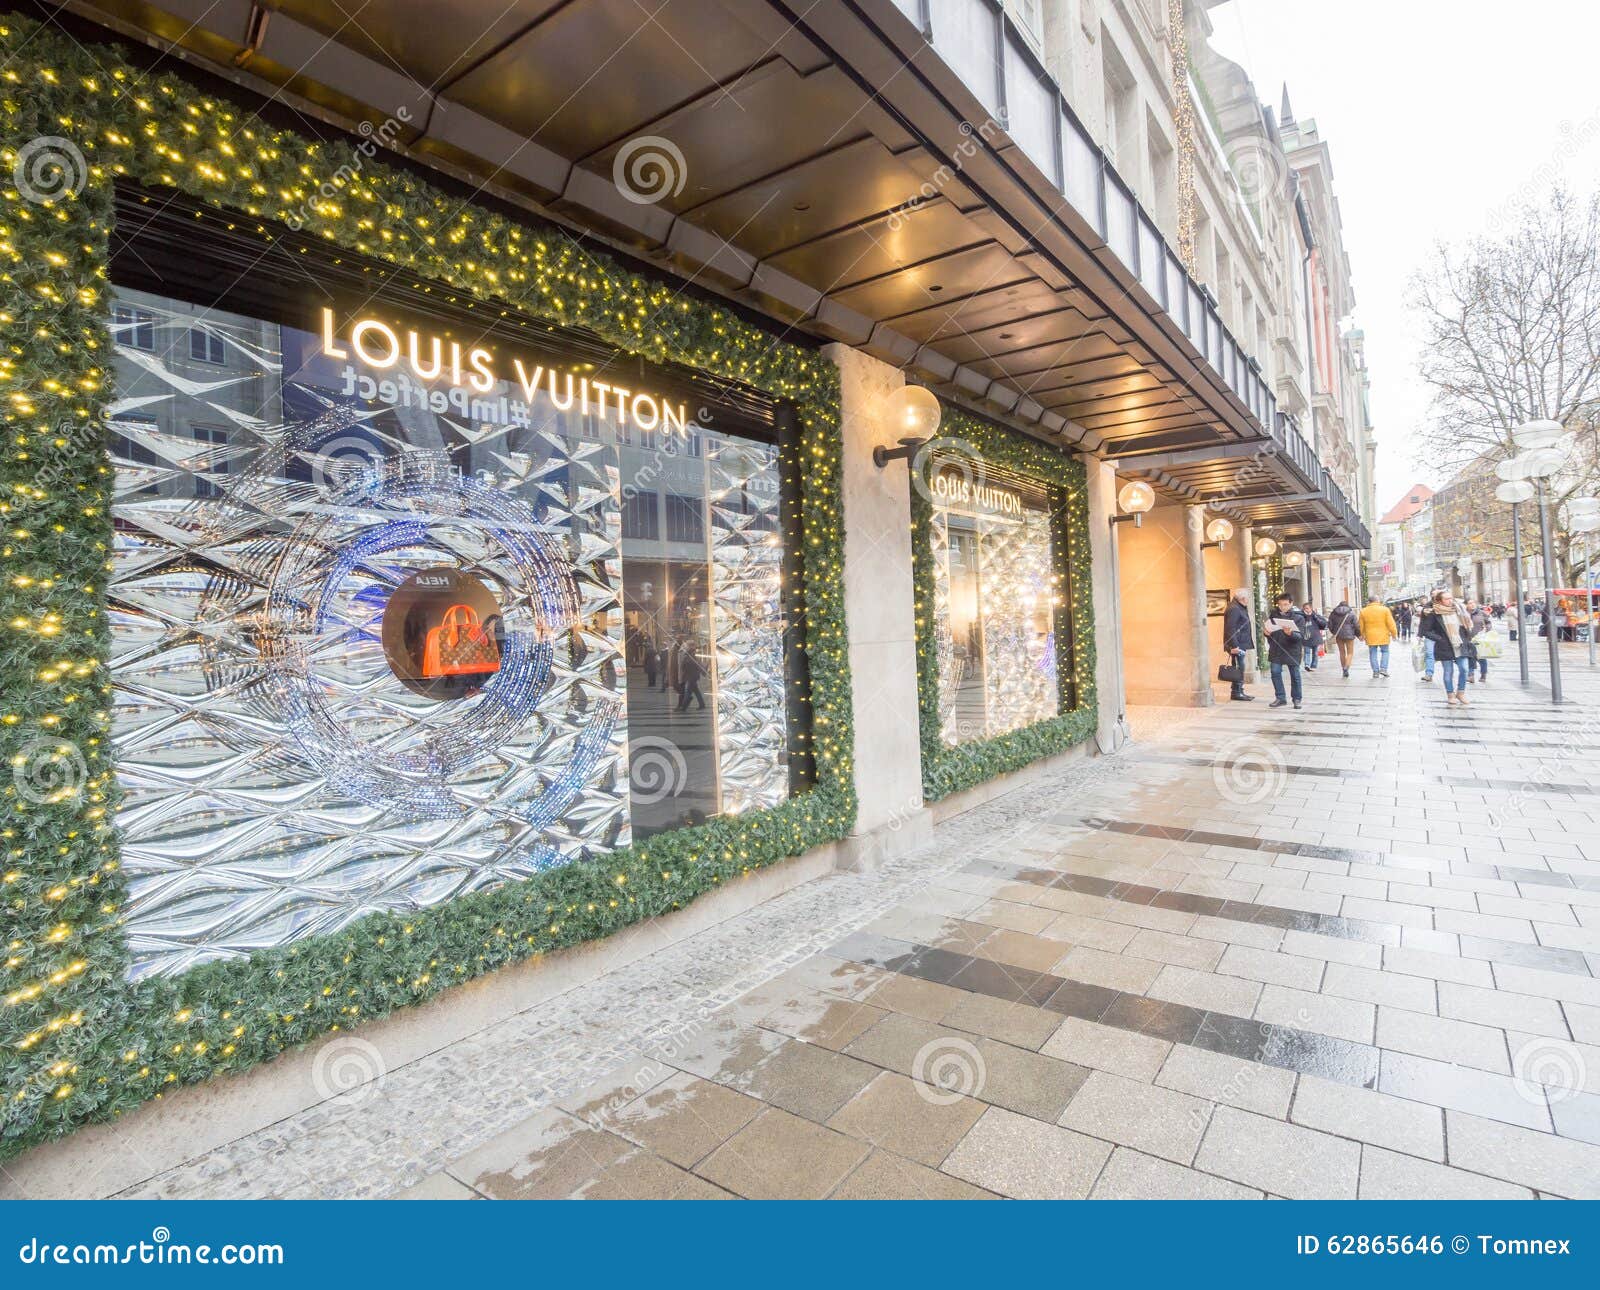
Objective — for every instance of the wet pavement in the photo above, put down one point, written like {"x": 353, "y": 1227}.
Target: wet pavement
{"x": 1349, "y": 951}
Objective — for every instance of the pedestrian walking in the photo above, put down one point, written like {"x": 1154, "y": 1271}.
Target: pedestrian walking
{"x": 1316, "y": 625}
{"x": 1378, "y": 629}
{"x": 1428, "y": 659}
{"x": 1342, "y": 626}
{"x": 1481, "y": 623}
{"x": 1404, "y": 617}
{"x": 689, "y": 673}
{"x": 1285, "y": 649}
{"x": 1449, "y": 627}
{"x": 649, "y": 659}
{"x": 1239, "y": 639}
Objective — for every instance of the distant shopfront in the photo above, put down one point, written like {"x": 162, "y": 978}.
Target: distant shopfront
{"x": 1005, "y": 622}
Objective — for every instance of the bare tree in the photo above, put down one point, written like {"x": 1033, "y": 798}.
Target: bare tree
{"x": 1512, "y": 334}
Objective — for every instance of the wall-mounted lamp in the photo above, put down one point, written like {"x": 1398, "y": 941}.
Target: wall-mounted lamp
{"x": 1135, "y": 498}
{"x": 908, "y": 448}
{"x": 1218, "y": 531}
{"x": 913, "y": 413}
{"x": 1293, "y": 559}
{"x": 1266, "y": 547}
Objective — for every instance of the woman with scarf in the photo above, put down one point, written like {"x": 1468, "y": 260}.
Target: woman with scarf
{"x": 1449, "y": 627}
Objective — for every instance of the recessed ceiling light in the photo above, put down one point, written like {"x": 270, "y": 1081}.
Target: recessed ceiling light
{"x": 936, "y": 288}
{"x": 802, "y": 206}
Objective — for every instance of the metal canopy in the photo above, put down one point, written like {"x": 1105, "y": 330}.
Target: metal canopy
{"x": 833, "y": 177}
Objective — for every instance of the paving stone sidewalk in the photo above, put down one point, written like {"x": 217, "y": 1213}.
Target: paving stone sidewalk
{"x": 1351, "y": 951}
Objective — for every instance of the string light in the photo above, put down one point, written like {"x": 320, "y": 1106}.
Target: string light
{"x": 81, "y": 1041}
{"x": 1183, "y": 124}
{"x": 950, "y": 768}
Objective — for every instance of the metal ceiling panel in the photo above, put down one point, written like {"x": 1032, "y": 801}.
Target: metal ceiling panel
{"x": 431, "y": 41}
{"x": 996, "y": 306}
{"x": 963, "y": 272}
{"x": 598, "y": 71}
{"x": 789, "y": 205}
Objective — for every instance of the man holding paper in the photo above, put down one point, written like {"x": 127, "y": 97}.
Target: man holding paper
{"x": 1286, "y": 635}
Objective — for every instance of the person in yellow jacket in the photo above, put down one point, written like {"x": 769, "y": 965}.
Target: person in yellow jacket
{"x": 1377, "y": 627}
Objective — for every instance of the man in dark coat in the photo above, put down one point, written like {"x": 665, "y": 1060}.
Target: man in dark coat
{"x": 1285, "y": 647}
{"x": 1238, "y": 638}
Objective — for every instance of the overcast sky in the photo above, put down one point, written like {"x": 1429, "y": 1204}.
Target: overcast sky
{"x": 1439, "y": 116}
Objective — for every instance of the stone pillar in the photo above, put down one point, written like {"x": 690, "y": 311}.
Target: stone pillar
{"x": 1199, "y": 639}
{"x": 1102, "y": 481}
{"x": 879, "y": 617}
{"x": 1162, "y": 588}
{"x": 1226, "y": 568}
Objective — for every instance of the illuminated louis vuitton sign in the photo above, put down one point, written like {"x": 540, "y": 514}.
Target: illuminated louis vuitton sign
{"x": 431, "y": 358}
{"x": 956, "y": 489}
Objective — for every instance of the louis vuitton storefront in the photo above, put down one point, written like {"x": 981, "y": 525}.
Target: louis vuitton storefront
{"x": 409, "y": 588}
{"x": 410, "y": 600}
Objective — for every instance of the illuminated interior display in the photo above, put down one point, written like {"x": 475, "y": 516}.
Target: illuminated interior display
{"x": 443, "y": 633}
{"x": 996, "y": 594}
{"x": 399, "y": 614}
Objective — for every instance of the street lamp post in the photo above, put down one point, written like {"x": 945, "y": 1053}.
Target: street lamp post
{"x": 1543, "y": 452}
{"x": 1551, "y": 631}
{"x": 1516, "y": 492}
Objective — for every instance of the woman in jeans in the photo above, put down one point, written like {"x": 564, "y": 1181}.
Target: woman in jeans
{"x": 1316, "y": 624}
{"x": 1449, "y": 627}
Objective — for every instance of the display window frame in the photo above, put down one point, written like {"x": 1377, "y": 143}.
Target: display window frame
{"x": 82, "y": 1043}
{"x": 989, "y": 454}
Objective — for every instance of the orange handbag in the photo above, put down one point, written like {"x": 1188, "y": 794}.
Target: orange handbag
{"x": 459, "y": 646}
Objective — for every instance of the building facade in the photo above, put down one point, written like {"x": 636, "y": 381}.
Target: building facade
{"x": 1404, "y": 566}
{"x": 453, "y": 526}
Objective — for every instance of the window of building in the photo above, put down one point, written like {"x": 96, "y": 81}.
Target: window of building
{"x": 640, "y": 516}
{"x": 685, "y": 519}
{"x": 208, "y": 464}
{"x": 206, "y": 346}
{"x": 135, "y": 328}
{"x": 1122, "y": 113}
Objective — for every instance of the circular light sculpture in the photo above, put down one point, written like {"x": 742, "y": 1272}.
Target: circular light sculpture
{"x": 1515, "y": 491}
{"x": 1537, "y": 434}
{"x": 1266, "y": 546}
{"x": 1543, "y": 462}
{"x": 1136, "y": 497}
{"x": 1512, "y": 469}
{"x": 1219, "y": 530}
{"x": 913, "y": 411}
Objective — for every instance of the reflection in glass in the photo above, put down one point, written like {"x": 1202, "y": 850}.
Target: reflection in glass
{"x": 996, "y": 595}
{"x": 295, "y": 755}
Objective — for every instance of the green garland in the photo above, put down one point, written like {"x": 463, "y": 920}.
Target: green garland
{"x": 947, "y": 769}
{"x": 77, "y": 1042}
{"x": 1264, "y": 609}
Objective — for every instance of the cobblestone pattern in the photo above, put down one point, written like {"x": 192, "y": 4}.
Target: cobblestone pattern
{"x": 1350, "y": 951}
{"x": 373, "y": 1143}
